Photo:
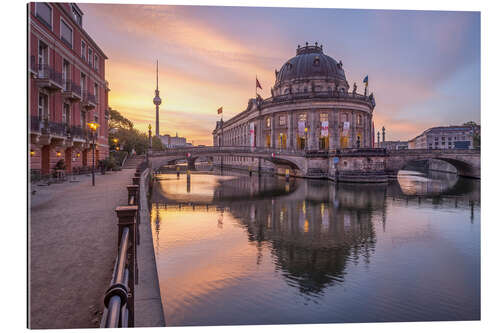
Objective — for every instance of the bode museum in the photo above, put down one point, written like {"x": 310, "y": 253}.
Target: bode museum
{"x": 311, "y": 108}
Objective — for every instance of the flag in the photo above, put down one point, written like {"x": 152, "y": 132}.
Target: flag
{"x": 219, "y": 110}
{"x": 365, "y": 80}
{"x": 257, "y": 83}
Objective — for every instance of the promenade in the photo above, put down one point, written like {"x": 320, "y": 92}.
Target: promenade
{"x": 73, "y": 244}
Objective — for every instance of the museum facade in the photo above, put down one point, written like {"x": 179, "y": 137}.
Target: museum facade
{"x": 310, "y": 109}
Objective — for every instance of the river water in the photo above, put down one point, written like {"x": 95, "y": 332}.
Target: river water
{"x": 235, "y": 249}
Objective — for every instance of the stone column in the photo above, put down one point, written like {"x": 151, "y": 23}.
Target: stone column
{"x": 273, "y": 144}
{"x": 289, "y": 134}
{"x": 331, "y": 130}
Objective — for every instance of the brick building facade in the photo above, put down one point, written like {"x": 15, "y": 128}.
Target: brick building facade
{"x": 66, "y": 89}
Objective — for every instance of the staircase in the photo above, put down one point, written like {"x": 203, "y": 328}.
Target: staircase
{"x": 133, "y": 161}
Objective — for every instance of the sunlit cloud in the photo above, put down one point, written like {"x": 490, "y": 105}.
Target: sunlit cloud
{"x": 209, "y": 57}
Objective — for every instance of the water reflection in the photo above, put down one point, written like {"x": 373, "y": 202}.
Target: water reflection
{"x": 313, "y": 234}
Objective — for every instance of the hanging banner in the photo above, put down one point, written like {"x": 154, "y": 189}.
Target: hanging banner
{"x": 345, "y": 130}
{"x": 252, "y": 135}
{"x": 302, "y": 126}
{"x": 324, "y": 128}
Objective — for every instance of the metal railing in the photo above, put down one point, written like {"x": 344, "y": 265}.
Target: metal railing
{"x": 119, "y": 298}
{"x": 88, "y": 98}
{"x": 35, "y": 123}
{"x": 45, "y": 71}
{"x": 61, "y": 129}
{"x": 318, "y": 94}
{"x": 79, "y": 132}
{"x": 265, "y": 150}
{"x": 70, "y": 86}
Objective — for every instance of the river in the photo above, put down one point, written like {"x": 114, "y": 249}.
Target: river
{"x": 234, "y": 249}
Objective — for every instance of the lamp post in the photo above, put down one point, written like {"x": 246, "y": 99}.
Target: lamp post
{"x": 115, "y": 141}
{"x": 93, "y": 126}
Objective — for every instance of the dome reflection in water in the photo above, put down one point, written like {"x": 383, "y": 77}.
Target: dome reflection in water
{"x": 234, "y": 249}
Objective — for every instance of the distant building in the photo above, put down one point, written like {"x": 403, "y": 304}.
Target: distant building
{"x": 445, "y": 137}
{"x": 393, "y": 145}
{"x": 174, "y": 141}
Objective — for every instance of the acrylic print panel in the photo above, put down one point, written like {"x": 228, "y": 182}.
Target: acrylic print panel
{"x": 344, "y": 187}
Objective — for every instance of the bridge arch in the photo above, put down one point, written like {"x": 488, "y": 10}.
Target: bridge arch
{"x": 467, "y": 165}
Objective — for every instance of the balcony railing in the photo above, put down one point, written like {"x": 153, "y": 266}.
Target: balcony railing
{"x": 61, "y": 129}
{"x": 89, "y": 98}
{"x": 71, "y": 87}
{"x": 319, "y": 94}
{"x": 78, "y": 132}
{"x": 35, "y": 124}
{"x": 45, "y": 71}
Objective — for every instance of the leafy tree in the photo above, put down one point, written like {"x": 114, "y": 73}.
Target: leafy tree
{"x": 117, "y": 120}
{"x": 476, "y": 138}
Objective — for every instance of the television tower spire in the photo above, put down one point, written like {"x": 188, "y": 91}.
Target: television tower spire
{"x": 157, "y": 102}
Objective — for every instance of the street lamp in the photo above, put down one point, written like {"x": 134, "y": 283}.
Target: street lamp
{"x": 93, "y": 126}
{"x": 115, "y": 141}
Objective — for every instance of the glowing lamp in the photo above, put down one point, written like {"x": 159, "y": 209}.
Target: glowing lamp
{"x": 58, "y": 154}
{"x": 32, "y": 152}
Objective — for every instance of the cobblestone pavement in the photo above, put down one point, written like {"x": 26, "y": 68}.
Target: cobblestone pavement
{"x": 73, "y": 244}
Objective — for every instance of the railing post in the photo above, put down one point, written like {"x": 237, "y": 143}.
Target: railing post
{"x": 127, "y": 218}
{"x": 133, "y": 191}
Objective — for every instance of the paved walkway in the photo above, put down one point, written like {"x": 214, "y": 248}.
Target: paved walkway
{"x": 73, "y": 244}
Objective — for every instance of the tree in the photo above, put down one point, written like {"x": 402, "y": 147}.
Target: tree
{"x": 476, "y": 137}
{"x": 117, "y": 120}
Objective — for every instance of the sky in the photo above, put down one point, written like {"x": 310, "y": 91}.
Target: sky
{"x": 423, "y": 66}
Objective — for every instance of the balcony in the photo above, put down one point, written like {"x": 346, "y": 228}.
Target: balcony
{"x": 78, "y": 133}
{"x": 58, "y": 129}
{"x": 88, "y": 100}
{"x": 48, "y": 78}
{"x": 72, "y": 91}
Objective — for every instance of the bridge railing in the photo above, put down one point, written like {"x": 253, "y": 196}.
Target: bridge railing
{"x": 265, "y": 150}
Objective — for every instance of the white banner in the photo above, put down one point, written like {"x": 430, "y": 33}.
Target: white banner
{"x": 252, "y": 135}
{"x": 346, "y": 128}
{"x": 302, "y": 126}
{"x": 324, "y": 128}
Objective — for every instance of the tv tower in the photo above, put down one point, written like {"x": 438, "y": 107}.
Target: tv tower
{"x": 157, "y": 102}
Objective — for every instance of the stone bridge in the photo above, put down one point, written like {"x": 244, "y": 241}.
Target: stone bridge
{"x": 356, "y": 165}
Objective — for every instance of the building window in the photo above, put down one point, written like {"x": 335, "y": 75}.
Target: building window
{"x": 358, "y": 120}
{"x": 83, "y": 83}
{"x": 83, "y": 50}
{"x": 43, "y": 103}
{"x": 268, "y": 122}
{"x": 76, "y": 15}
{"x": 282, "y": 120}
{"x": 96, "y": 92}
{"x": 66, "y": 114}
{"x": 302, "y": 117}
{"x": 343, "y": 117}
{"x": 66, "y": 34}
{"x": 44, "y": 12}
{"x": 66, "y": 74}
{"x": 323, "y": 117}
{"x": 96, "y": 62}
{"x": 90, "y": 56}
{"x": 83, "y": 118}
{"x": 43, "y": 55}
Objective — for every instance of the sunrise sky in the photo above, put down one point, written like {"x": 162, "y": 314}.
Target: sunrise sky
{"x": 424, "y": 67}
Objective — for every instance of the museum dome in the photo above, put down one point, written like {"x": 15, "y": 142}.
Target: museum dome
{"x": 310, "y": 62}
